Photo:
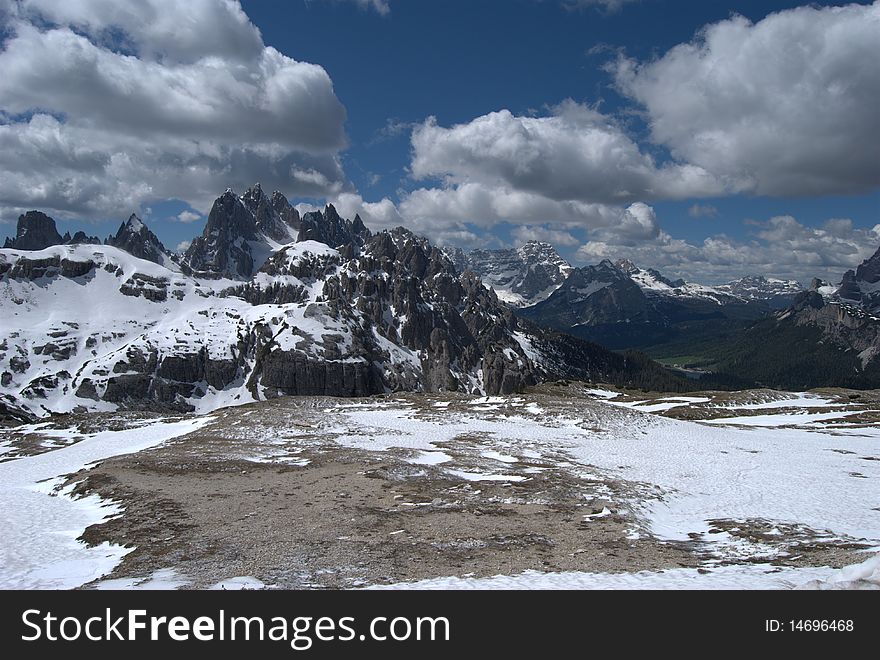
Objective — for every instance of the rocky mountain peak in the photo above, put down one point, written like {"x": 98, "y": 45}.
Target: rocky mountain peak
{"x": 135, "y": 224}
{"x": 223, "y": 249}
{"x": 35, "y": 231}
{"x": 329, "y": 228}
{"x": 274, "y": 215}
{"x": 869, "y": 270}
{"x": 626, "y": 266}
{"x": 81, "y": 237}
{"x": 136, "y": 238}
{"x": 520, "y": 277}
{"x": 776, "y": 293}
{"x": 862, "y": 285}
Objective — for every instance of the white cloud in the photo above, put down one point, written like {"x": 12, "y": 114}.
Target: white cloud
{"x": 573, "y": 167}
{"x": 375, "y": 215}
{"x": 183, "y": 246}
{"x": 573, "y": 154}
{"x": 785, "y": 106}
{"x": 484, "y": 206}
{"x": 544, "y": 234}
{"x": 779, "y": 247}
{"x": 182, "y": 31}
{"x": 187, "y": 216}
{"x": 702, "y": 211}
{"x": 107, "y": 105}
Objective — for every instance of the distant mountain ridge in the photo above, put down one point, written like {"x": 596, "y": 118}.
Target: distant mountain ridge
{"x": 828, "y": 337}
{"x": 351, "y": 314}
{"x": 520, "y": 277}
{"x": 620, "y": 305}
{"x": 777, "y": 293}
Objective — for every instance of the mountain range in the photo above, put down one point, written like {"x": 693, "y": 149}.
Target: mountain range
{"x": 267, "y": 302}
{"x": 264, "y": 303}
{"x": 752, "y": 331}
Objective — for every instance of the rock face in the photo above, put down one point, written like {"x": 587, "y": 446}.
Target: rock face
{"x": 778, "y": 294}
{"x": 862, "y": 286}
{"x": 328, "y": 228}
{"x": 596, "y": 295}
{"x": 852, "y": 329}
{"x": 339, "y": 312}
{"x": 275, "y": 218}
{"x": 621, "y": 305}
{"x": 841, "y": 323}
{"x": 135, "y": 238}
{"x": 240, "y": 234}
{"x": 521, "y": 277}
{"x": 381, "y": 313}
{"x": 35, "y": 231}
{"x": 226, "y": 246}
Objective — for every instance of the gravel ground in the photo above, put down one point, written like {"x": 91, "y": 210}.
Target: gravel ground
{"x": 221, "y": 503}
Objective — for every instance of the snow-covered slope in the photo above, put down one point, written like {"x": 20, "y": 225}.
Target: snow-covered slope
{"x": 775, "y": 292}
{"x": 94, "y": 327}
{"x": 521, "y": 277}
{"x": 654, "y": 284}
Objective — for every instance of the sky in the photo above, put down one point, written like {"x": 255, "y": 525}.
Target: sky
{"x": 709, "y": 139}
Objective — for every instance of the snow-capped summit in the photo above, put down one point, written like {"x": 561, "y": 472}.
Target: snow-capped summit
{"x": 241, "y": 233}
{"x": 776, "y": 293}
{"x": 274, "y": 215}
{"x": 136, "y": 238}
{"x": 521, "y": 277}
{"x": 622, "y": 305}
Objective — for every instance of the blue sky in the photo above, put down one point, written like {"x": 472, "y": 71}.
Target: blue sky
{"x": 650, "y": 83}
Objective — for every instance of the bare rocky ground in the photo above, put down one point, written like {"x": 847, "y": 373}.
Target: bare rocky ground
{"x": 267, "y": 491}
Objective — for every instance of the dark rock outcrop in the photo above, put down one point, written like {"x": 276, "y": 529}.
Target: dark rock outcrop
{"x": 136, "y": 238}
{"x": 81, "y": 238}
{"x": 35, "y": 231}
{"x": 329, "y": 228}
{"x": 274, "y": 216}
{"x": 240, "y": 234}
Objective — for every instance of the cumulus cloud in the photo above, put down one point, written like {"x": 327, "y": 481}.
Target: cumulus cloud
{"x": 573, "y": 154}
{"x": 376, "y": 215}
{"x": 187, "y": 217}
{"x": 702, "y": 211}
{"x": 779, "y": 247}
{"x": 544, "y": 234}
{"x": 574, "y": 167}
{"x": 105, "y": 105}
{"x": 485, "y": 206}
{"x": 785, "y": 106}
